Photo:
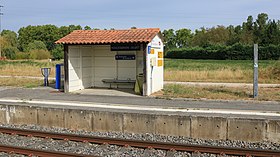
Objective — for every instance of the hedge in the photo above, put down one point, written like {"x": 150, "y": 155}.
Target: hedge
{"x": 221, "y": 52}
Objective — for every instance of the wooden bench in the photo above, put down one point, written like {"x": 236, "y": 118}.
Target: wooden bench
{"x": 117, "y": 82}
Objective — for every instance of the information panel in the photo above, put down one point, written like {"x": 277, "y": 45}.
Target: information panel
{"x": 125, "y": 57}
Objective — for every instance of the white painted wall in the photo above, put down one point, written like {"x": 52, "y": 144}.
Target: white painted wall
{"x": 74, "y": 62}
{"x": 154, "y": 74}
{"x": 104, "y": 64}
{"x": 80, "y": 67}
{"x": 86, "y": 65}
{"x": 126, "y": 69}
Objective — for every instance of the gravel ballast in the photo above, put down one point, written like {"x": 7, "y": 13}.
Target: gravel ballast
{"x": 2, "y": 154}
{"x": 88, "y": 148}
{"x": 112, "y": 150}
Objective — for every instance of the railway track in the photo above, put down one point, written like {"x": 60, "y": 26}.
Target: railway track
{"x": 143, "y": 144}
{"x": 35, "y": 152}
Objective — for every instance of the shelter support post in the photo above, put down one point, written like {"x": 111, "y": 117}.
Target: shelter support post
{"x": 144, "y": 70}
{"x": 66, "y": 67}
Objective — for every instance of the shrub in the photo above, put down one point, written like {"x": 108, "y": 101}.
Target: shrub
{"x": 22, "y": 55}
{"x": 10, "y": 52}
{"x": 198, "y": 53}
{"x": 57, "y": 52}
{"x": 39, "y": 54}
{"x": 35, "y": 45}
{"x": 240, "y": 52}
{"x": 220, "y": 52}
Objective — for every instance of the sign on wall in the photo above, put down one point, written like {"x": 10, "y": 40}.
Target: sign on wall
{"x": 152, "y": 51}
{"x": 160, "y": 54}
{"x": 149, "y": 49}
{"x": 160, "y": 63}
{"x": 125, "y": 47}
{"x": 160, "y": 59}
{"x": 125, "y": 57}
{"x": 156, "y": 43}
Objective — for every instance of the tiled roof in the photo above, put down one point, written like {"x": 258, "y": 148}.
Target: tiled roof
{"x": 109, "y": 36}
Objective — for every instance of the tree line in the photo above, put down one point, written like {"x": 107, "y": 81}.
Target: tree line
{"x": 231, "y": 42}
{"x": 37, "y": 42}
{"x": 263, "y": 31}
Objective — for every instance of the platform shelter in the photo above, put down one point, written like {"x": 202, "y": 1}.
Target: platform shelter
{"x": 131, "y": 58}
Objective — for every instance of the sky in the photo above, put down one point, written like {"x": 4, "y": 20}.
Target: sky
{"x": 123, "y": 14}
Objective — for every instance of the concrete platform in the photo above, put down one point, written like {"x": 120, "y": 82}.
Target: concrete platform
{"x": 251, "y": 126}
{"x": 145, "y": 102}
{"x": 233, "y": 120}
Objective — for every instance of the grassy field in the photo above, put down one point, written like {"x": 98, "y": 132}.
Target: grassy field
{"x": 175, "y": 70}
{"x": 241, "y": 71}
{"x": 22, "y": 82}
{"x": 26, "y": 68}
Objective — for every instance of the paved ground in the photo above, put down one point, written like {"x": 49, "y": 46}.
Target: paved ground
{"x": 51, "y": 94}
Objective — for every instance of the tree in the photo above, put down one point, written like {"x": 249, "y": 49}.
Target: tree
{"x": 10, "y": 37}
{"x": 57, "y": 52}
{"x": 200, "y": 38}
{"x": 25, "y": 36}
{"x": 248, "y": 26}
{"x": 71, "y": 28}
{"x": 217, "y": 35}
{"x": 233, "y": 36}
{"x": 259, "y": 28}
{"x": 9, "y": 44}
{"x": 36, "y": 45}
{"x": 65, "y": 30}
{"x": 169, "y": 39}
{"x": 212, "y": 36}
{"x": 247, "y": 34}
{"x": 183, "y": 37}
{"x": 272, "y": 33}
{"x": 48, "y": 34}
{"x": 87, "y": 28}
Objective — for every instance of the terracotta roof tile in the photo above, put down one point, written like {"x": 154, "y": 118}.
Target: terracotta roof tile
{"x": 109, "y": 36}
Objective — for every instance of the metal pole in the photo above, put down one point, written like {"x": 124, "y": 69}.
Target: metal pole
{"x": 256, "y": 66}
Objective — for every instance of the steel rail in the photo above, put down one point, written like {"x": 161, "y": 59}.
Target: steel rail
{"x": 36, "y": 152}
{"x": 145, "y": 144}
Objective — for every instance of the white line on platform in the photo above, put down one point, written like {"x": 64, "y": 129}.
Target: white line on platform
{"x": 141, "y": 108}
